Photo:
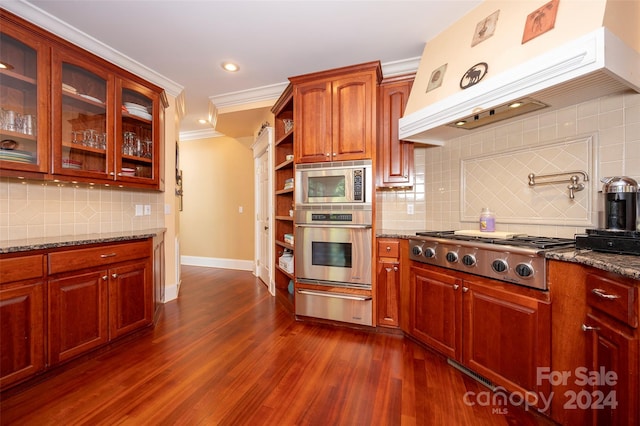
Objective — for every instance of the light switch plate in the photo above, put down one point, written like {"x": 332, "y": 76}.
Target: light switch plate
{"x": 139, "y": 210}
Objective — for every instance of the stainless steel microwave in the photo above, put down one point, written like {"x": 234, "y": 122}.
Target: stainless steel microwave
{"x": 346, "y": 182}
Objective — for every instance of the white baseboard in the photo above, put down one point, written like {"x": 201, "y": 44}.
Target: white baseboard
{"x": 171, "y": 292}
{"x": 212, "y": 262}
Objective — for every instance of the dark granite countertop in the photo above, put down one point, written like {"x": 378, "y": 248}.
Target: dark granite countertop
{"x": 28, "y": 244}
{"x": 622, "y": 264}
{"x": 393, "y": 233}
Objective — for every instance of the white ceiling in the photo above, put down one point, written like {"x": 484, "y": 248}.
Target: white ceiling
{"x": 186, "y": 40}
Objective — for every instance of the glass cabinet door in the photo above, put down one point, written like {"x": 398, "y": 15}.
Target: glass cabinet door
{"x": 23, "y": 96}
{"x": 137, "y": 146}
{"x": 83, "y": 137}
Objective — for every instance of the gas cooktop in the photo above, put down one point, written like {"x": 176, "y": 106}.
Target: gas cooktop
{"x": 533, "y": 242}
{"x": 518, "y": 260}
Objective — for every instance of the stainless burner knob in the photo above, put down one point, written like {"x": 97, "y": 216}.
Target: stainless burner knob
{"x": 499, "y": 265}
{"x": 524, "y": 270}
{"x": 469, "y": 259}
{"x": 416, "y": 250}
{"x": 452, "y": 257}
{"x": 429, "y": 252}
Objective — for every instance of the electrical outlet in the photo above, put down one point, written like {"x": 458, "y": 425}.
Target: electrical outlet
{"x": 240, "y": 209}
{"x": 139, "y": 211}
{"x": 409, "y": 208}
{"x": 147, "y": 209}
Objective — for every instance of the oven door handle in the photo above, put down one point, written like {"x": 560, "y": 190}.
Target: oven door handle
{"x": 304, "y": 225}
{"x": 336, "y": 295}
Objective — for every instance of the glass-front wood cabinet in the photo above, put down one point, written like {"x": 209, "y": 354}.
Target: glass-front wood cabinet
{"x": 69, "y": 115}
{"x": 23, "y": 90}
{"x": 82, "y": 138}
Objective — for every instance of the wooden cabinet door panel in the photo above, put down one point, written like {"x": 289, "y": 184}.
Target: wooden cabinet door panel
{"x": 77, "y": 314}
{"x": 388, "y": 286}
{"x": 22, "y": 332}
{"x": 312, "y": 120}
{"x": 435, "y": 313}
{"x": 353, "y": 118}
{"x": 506, "y": 336}
{"x": 395, "y": 157}
{"x": 130, "y": 298}
{"x": 610, "y": 350}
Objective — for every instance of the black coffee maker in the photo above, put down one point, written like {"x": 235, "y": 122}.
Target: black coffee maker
{"x": 621, "y": 203}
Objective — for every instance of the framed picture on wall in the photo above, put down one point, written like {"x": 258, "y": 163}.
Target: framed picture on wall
{"x": 540, "y": 21}
{"x": 436, "y": 78}
{"x": 485, "y": 28}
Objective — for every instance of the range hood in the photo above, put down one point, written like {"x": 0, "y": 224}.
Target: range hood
{"x": 594, "y": 65}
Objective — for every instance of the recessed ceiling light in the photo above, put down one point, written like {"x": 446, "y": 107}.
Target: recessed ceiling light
{"x": 230, "y": 66}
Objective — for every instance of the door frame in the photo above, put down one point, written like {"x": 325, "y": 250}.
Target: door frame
{"x": 264, "y": 144}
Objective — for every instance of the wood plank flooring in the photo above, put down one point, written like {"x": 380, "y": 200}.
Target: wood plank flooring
{"x": 227, "y": 353}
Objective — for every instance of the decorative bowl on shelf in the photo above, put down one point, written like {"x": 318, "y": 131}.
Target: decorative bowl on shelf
{"x": 288, "y": 124}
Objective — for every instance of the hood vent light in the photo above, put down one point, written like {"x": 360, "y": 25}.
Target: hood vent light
{"x": 499, "y": 113}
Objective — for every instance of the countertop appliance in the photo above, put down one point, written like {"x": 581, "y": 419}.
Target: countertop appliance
{"x": 608, "y": 241}
{"x": 518, "y": 259}
{"x": 621, "y": 202}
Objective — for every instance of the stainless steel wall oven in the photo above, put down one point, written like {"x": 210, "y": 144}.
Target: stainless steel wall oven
{"x": 334, "y": 241}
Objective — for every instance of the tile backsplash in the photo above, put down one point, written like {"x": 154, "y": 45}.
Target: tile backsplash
{"x": 37, "y": 209}
{"x": 614, "y": 121}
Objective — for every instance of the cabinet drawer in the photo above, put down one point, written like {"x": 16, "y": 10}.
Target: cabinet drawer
{"x": 21, "y": 268}
{"x": 70, "y": 260}
{"x": 613, "y": 298}
{"x": 388, "y": 248}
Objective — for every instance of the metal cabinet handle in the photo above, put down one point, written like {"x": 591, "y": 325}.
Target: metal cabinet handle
{"x": 114, "y": 276}
{"x": 112, "y": 174}
{"x": 465, "y": 289}
{"x": 105, "y": 277}
{"x": 395, "y": 268}
{"x": 455, "y": 287}
{"x": 108, "y": 255}
{"x": 604, "y": 295}
{"x": 586, "y": 327}
{"x": 328, "y": 154}
{"x": 388, "y": 248}
{"x": 335, "y": 295}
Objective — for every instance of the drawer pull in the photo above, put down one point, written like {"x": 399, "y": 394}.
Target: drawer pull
{"x": 456, "y": 286}
{"x": 586, "y": 327}
{"x": 105, "y": 277}
{"x": 108, "y": 255}
{"x": 601, "y": 293}
{"x": 114, "y": 276}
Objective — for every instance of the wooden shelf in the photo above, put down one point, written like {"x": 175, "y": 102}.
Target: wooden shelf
{"x": 287, "y": 218}
{"x": 285, "y": 139}
{"x": 284, "y": 191}
{"x": 284, "y": 245}
{"x": 284, "y": 165}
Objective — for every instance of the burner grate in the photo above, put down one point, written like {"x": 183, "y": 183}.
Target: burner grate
{"x": 541, "y": 243}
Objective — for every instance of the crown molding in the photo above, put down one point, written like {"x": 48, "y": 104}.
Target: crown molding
{"x": 235, "y": 101}
{"x": 403, "y": 66}
{"x": 228, "y": 102}
{"x": 63, "y": 30}
{"x": 193, "y": 135}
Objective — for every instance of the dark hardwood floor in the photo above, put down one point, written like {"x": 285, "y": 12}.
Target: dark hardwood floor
{"x": 227, "y": 353}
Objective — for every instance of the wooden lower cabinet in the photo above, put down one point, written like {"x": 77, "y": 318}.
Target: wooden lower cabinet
{"x": 500, "y": 331}
{"x": 59, "y": 304}
{"x": 78, "y": 315}
{"x": 389, "y": 278}
{"x": 595, "y": 359}
{"x": 21, "y": 310}
{"x": 130, "y": 298}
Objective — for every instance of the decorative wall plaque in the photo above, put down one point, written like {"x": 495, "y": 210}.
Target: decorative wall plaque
{"x": 485, "y": 28}
{"x": 437, "y": 76}
{"x": 540, "y": 21}
{"x": 474, "y": 75}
